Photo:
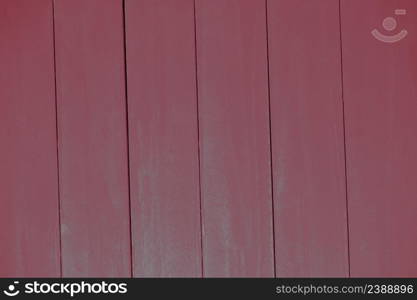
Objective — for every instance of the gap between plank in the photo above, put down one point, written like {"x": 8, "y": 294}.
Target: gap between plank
{"x": 344, "y": 138}
{"x": 57, "y": 139}
{"x": 198, "y": 139}
{"x": 127, "y": 133}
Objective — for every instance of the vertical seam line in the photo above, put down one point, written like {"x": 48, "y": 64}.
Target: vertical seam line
{"x": 127, "y": 134}
{"x": 270, "y": 138}
{"x": 198, "y": 139}
{"x": 344, "y": 139}
{"x": 57, "y": 139}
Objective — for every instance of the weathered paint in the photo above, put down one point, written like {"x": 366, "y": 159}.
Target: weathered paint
{"x": 163, "y": 138}
{"x": 234, "y": 138}
{"x": 307, "y": 138}
{"x": 92, "y": 138}
{"x": 380, "y": 91}
{"x": 29, "y": 218}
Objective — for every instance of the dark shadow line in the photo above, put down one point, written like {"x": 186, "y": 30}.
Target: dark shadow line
{"x": 198, "y": 140}
{"x": 270, "y": 138}
{"x": 344, "y": 138}
{"x": 127, "y": 134}
{"x": 57, "y": 139}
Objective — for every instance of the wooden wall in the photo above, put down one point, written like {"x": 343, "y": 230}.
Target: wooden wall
{"x": 214, "y": 138}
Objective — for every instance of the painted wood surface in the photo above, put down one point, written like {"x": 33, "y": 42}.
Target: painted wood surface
{"x": 380, "y": 88}
{"x": 307, "y": 138}
{"x": 92, "y": 138}
{"x": 227, "y": 155}
{"x": 163, "y": 138}
{"x": 29, "y": 219}
{"x": 234, "y": 138}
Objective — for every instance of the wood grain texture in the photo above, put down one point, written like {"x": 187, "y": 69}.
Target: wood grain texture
{"x": 163, "y": 138}
{"x": 92, "y": 138}
{"x": 29, "y": 215}
{"x": 234, "y": 138}
{"x": 380, "y": 87}
{"x": 307, "y": 138}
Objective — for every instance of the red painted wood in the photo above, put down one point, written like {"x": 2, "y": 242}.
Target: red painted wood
{"x": 29, "y": 218}
{"x": 234, "y": 138}
{"x": 380, "y": 88}
{"x": 163, "y": 138}
{"x": 92, "y": 138}
{"x": 307, "y": 138}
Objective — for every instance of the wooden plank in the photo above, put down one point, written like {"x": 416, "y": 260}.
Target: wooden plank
{"x": 29, "y": 214}
{"x": 234, "y": 138}
{"x": 92, "y": 138}
{"x": 380, "y": 87}
{"x": 307, "y": 138}
{"x": 163, "y": 138}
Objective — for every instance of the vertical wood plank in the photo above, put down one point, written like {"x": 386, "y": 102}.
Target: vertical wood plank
{"x": 307, "y": 138}
{"x": 234, "y": 138}
{"x": 29, "y": 215}
{"x": 92, "y": 138}
{"x": 163, "y": 138}
{"x": 380, "y": 87}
